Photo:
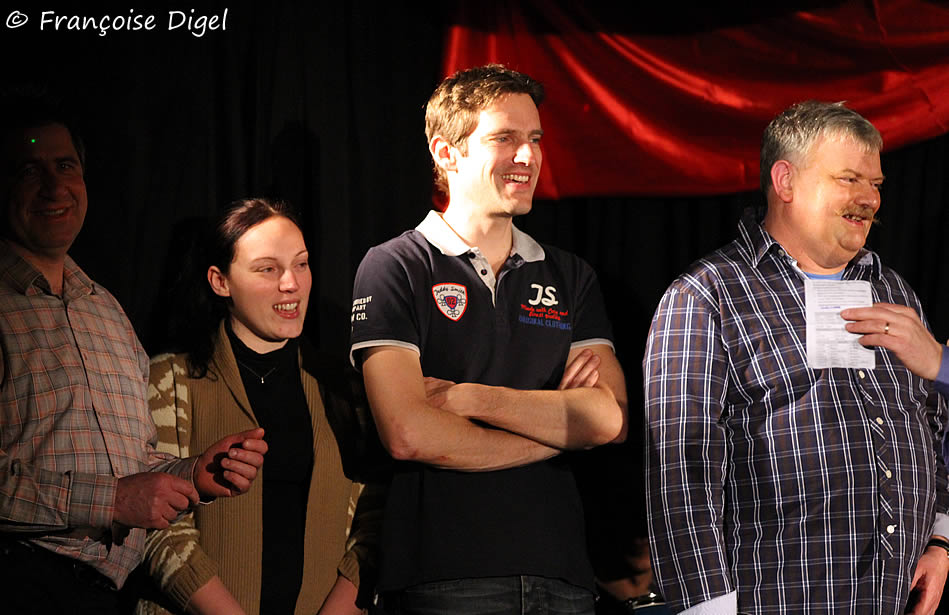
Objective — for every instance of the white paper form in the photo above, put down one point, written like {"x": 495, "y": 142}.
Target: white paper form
{"x": 829, "y": 344}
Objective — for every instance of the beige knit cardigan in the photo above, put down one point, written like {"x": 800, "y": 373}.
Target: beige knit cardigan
{"x": 224, "y": 537}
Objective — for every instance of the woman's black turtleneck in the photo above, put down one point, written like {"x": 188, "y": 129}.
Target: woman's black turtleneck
{"x": 275, "y": 391}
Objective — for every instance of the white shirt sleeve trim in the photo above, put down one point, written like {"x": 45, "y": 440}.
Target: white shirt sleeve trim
{"x": 373, "y": 343}
{"x": 593, "y": 341}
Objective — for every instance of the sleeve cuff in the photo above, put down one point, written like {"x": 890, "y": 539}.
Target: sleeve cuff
{"x": 593, "y": 341}
{"x": 349, "y": 568}
{"x": 355, "y": 348}
{"x": 942, "y": 379}
{"x": 182, "y": 468}
{"x": 721, "y": 605}
{"x": 941, "y": 525}
{"x": 363, "y": 579}
{"x": 190, "y": 578}
{"x": 91, "y": 500}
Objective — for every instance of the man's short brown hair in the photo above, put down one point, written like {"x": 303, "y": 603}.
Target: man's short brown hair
{"x": 452, "y": 111}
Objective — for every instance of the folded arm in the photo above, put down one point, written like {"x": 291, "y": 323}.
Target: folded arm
{"x": 412, "y": 429}
{"x": 568, "y": 418}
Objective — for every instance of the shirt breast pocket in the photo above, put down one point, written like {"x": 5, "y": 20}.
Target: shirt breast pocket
{"x": 767, "y": 361}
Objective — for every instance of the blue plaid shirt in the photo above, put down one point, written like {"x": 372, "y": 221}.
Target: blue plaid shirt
{"x": 804, "y": 491}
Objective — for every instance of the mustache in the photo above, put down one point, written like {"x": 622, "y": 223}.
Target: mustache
{"x": 860, "y": 211}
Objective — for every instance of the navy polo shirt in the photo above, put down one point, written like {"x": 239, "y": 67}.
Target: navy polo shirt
{"x": 428, "y": 291}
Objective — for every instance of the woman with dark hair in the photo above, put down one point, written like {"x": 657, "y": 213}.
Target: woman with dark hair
{"x": 282, "y": 548}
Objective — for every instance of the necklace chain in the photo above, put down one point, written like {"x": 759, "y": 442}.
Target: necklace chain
{"x": 251, "y": 370}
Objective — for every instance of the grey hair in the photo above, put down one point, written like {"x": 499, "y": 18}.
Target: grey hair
{"x": 794, "y": 131}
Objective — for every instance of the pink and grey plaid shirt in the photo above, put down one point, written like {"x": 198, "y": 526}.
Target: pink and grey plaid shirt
{"x": 73, "y": 416}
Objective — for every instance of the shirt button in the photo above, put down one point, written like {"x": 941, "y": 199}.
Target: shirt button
{"x": 889, "y": 474}
{"x": 890, "y": 529}
{"x": 862, "y": 374}
{"x": 879, "y": 421}
{"x": 484, "y": 272}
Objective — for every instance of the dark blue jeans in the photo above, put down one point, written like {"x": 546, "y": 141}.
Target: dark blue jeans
{"x": 523, "y": 595}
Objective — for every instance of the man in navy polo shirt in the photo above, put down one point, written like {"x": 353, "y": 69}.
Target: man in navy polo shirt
{"x": 485, "y": 355}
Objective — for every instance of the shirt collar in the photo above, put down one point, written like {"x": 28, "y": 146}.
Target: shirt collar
{"x": 757, "y": 242}
{"x": 26, "y": 279}
{"x": 438, "y": 233}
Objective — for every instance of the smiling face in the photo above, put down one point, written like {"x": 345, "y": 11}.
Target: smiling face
{"x": 44, "y": 191}
{"x": 834, "y": 195}
{"x": 499, "y": 169}
{"x": 268, "y": 283}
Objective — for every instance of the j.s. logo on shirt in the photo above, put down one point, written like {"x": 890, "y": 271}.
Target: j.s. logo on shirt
{"x": 541, "y": 309}
{"x": 545, "y": 295}
{"x": 451, "y": 299}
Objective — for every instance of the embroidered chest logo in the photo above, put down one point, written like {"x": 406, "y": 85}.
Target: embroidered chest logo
{"x": 541, "y": 311}
{"x": 546, "y": 295}
{"x": 451, "y": 299}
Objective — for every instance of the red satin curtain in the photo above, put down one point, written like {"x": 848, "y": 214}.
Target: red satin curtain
{"x": 638, "y": 109}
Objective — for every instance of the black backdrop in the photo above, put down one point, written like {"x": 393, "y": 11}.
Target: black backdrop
{"x": 322, "y": 104}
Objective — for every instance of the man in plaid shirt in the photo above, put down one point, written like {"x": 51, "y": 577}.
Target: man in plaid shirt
{"x": 79, "y": 477}
{"x": 775, "y": 487}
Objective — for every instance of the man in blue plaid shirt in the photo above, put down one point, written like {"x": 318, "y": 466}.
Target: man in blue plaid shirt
{"x": 775, "y": 487}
